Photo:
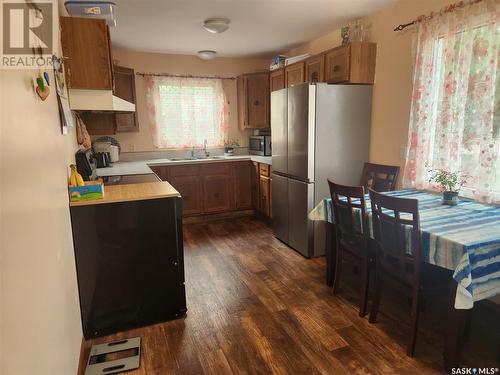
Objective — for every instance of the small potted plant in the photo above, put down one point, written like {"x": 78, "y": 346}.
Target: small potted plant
{"x": 229, "y": 146}
{"x": 449, "y": 182}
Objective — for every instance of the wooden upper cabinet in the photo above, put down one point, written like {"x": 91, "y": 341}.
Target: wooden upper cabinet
{"x": 315, "y": 69}
{"x": 352, "y": 63}
{"x": 277, "y": 79}
{"x": 87, "y": 51}
{"x": 253, "y": 101}
{"x": 125, "y": 89}
{"x": 294, "y": 74}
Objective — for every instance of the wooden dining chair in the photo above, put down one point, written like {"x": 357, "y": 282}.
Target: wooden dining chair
{"x": 380, "y": 177}
{"x": 396, "y": 229}
{"x": 351, "y": 223}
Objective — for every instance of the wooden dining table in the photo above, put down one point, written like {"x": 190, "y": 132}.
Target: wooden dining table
{"x": 464, "y": 239}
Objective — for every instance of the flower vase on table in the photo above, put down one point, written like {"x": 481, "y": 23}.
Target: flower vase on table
{"x": 449, "y": 183}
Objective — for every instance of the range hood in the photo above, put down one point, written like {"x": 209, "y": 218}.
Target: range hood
{"x": 98, "y": 100}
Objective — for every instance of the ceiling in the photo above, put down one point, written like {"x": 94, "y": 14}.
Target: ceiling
{"x": 258, "y": 27}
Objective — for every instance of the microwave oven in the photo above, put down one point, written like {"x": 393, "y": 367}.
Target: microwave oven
{"x": 260, "y": 145}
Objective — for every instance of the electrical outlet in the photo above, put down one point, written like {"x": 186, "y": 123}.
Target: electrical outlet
{"x": 131, "y": 147}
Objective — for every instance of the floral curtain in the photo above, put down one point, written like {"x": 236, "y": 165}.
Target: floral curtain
{"x": 184, "y": 112}
{"x": 455, "y": 111}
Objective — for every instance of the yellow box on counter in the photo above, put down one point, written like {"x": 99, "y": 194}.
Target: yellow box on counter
{"x": 92, "y": 190}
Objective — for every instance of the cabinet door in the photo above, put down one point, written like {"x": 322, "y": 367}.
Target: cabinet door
{"x": 255, "y": 186}
{"x": 161, "y": 171}
{"x": 270, "y": 197}
{"x": 257, "y": 103}
{"x": 241, "y": 84}
{"x": 265, "y": 192}
{"x": 217, "y": 193}
{"x": 337, "y": 65}
{"x": 362, "y": 62}
{"x": 242, "y": 178}
{"x": 277, "y": 79}
{"x": 189, "y": 188}
{"x": 294, "y": 74}
{"x": 315, "y": 69}
{"x": 85, "y": 43}
{"x": 99, "y": 123}
{"x": 125, "y": 89}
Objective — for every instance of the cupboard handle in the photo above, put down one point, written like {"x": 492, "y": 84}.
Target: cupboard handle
{"x": 256, "y": 102}
{"x": 336, "y": 68}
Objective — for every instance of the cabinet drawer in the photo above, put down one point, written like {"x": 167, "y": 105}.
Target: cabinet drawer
{"x": 264, "y": 170}
{"x": 337, "y": 65}
{"x": 215, "y": 168}
{"x": 184, "y": 170}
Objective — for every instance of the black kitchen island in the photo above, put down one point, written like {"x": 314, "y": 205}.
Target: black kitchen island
{"x": 129, "y": 257}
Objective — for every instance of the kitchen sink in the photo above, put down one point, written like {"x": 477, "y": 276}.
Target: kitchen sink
{"x": 183, "y": 159}
{"x": 198, "y": 158}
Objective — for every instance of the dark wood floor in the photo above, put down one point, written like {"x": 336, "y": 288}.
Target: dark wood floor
{"x": 257, "y": 307}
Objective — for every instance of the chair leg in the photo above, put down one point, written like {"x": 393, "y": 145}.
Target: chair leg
{"x": 366, "y": 281}
{"x": 415, "y": 311}
{"x": 376, "y": 297}
{"x": 338, "y": 270}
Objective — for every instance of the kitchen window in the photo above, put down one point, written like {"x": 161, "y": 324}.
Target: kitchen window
{"x": 184, "y": 111}
{"x": 455, "y": 114}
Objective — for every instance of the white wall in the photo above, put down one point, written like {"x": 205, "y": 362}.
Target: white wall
{"x": 40, "y": 330}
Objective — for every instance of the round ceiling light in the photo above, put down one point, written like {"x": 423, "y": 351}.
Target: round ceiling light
{"x": 206, "y": 54}
{"x": 216, "y": 25}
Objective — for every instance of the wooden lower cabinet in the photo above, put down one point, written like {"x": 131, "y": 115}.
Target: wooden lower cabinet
{"x": 213, "y": 188}
{"x": 161, "y": 171}
{"x": 242, "y": 185}
{"x": 255, "y": 185}
{"x": 210, "y": 187}
{"x": 265, "y": 195}
{"x": 189, "y": 188}
{"x": 216, "y": 193}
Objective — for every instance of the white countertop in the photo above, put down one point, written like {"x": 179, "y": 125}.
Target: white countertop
{"x": 142, "y": 167}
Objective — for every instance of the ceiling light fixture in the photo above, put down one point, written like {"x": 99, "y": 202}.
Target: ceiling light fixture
{"x": 206, "y": 54}
{"x": 216, "y": 25}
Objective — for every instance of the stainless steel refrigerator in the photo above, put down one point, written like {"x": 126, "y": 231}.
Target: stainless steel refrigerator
{"x": 318, "y": 132}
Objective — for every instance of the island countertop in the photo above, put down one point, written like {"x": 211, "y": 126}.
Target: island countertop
{"x": 132, "y": 192}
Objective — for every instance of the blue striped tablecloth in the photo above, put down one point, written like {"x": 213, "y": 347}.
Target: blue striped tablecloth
{"x": 464, "y": 238}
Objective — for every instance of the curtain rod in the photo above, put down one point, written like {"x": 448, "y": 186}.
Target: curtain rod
{"x": 180, "y": 75}
{"x": 447, "y": 9}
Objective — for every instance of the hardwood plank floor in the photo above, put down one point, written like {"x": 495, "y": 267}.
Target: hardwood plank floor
{"x": 257, "y": 307}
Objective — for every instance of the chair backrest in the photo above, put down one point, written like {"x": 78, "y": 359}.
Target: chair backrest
{"x": 380, "y": 177}
{"x": 350, "y": 214}
{"x": 396, "y": 229}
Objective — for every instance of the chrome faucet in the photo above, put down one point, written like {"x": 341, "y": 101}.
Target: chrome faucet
{"x": 205, "y": 143}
